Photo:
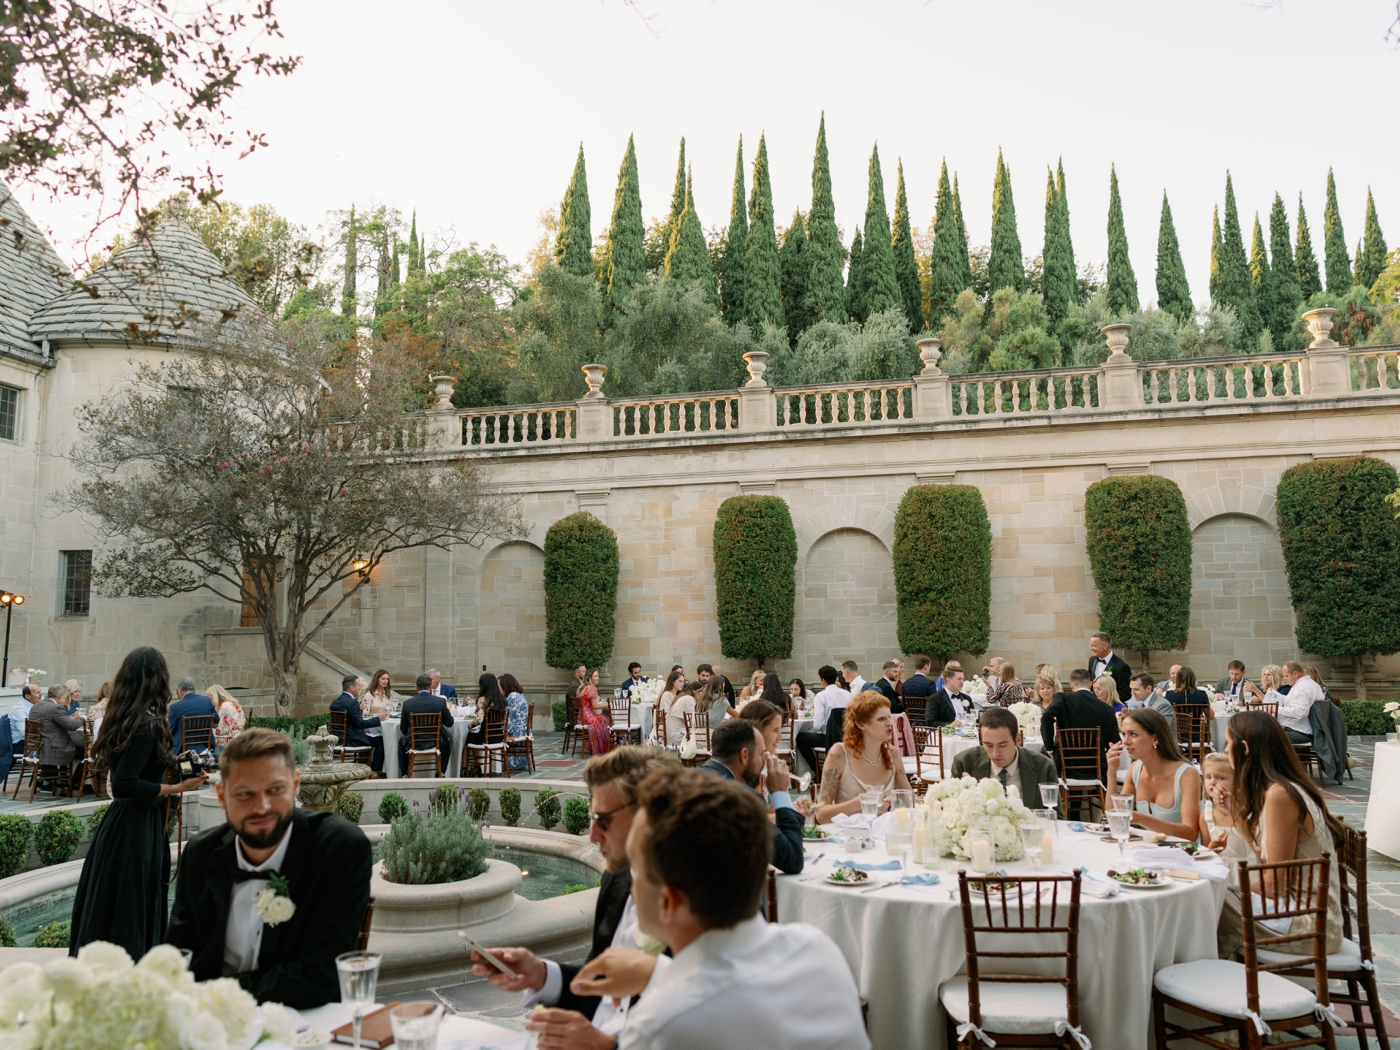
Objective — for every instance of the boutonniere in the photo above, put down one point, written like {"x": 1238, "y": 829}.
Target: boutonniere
{"x": 275, "y": 903}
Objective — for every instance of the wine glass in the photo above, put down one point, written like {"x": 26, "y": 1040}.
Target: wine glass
{"x": 1030, "y": 839}
{"x": 1120, "y": 803}
{"x": 359, "y": 976}
{"x": 870, "y": 804}
{"x": 1050, "y": 796}
{"x": 1119, "y": 823}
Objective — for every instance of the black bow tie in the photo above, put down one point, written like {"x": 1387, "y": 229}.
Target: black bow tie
{"x": 239, "y": 875}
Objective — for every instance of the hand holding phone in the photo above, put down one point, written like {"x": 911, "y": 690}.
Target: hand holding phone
{"x": 486, "y": 955}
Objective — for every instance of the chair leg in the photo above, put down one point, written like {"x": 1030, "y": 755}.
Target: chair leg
{"x": 1159, "y": 1021}
{"x": 1373, "y": 1006}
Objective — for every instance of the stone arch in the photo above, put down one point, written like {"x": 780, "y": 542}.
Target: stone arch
{"x": 510, "y": 612}
{"x": 849, "y": 514}
{"x": 1227, "y": 495}
{"x": 846, "y": 601}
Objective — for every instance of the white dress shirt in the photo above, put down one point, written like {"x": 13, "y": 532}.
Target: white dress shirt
{"x": 1098, "y": 664}
{"x": 608, "y": 1018}
{"x": 780, "y": 987}
{"x": 825, "y": 702}
{"x": 858, "y": 684}
{"x": 18, "y": 714}
{"x": 243, "y": 933}
{"x": 1293, "y": 708}
{"x": 1012, "y": 771}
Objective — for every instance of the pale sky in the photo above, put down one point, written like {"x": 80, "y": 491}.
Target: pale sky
{"x": 471, "y": 112}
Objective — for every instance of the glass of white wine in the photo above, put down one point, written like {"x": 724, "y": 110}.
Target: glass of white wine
{"x": 1031, "y": 839}
{"x": 359, "y": 977}
{"x": 1050, "y": 796}
{"x": 1119, "y": 826}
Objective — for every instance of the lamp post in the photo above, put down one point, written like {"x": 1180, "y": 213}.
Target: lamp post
{"x": 9, "y": 601}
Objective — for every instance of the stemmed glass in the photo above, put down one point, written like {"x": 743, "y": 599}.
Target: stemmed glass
{"x": 359, "y": 977}
{"x": 1050, "y": 796}
{"x": 1119, "y": 823}
{"x": 870, "y": 804}
{"x": 1030, "y": 839}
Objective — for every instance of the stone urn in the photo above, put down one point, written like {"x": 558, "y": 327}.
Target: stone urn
{"x": 323, "y": 780}
{"x": 929, "y": 353}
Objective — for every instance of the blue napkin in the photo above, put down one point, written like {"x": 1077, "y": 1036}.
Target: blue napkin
{"x": 1075, "y": 825}
{"x": 892, "y": 865}
{"x": 926, "y": 879}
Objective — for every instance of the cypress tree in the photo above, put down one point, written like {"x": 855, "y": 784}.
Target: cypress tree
{"x": 826, "y": 293}
{"x": 1370, "y": 259}
{"x": 1057, "y": 276}
{"x": 763, "y": 275}
{"x": 1261, "y": 279}
{"x": 1173, "y": 291}
{"x": 673, "y": 217}
{"x": 879, "y": 287}
{"x": 1064, "y": 222}
{"x": 1286, "y": 293}
{"x": 1217, "y": 250}
{"x": 1235, "y": 286}
{"x": 736, "y": 242}
{"x": 625, "y": 265}
{"x": 963, "y": 257}
{"x": 1122, "y": 282}
{"x": 688, "y": 256}
{"x": 855, "y": 281}
{"x": 796, "y": 262}
{"x": 394, "y": 263}
{"x": 906, "y": 267}
{"x": 1004, "y": 266}
{"x": 1334, "y": 242}
{"x": 949, "y": 256}
{"x": 1309, "y": 279}
{"x": 413, "y": 244}
{"x": 347, "y": 293}
{"x": 573, "y": 245}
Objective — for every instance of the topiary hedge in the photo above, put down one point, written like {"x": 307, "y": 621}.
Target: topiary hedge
{"x": 94, "y": 819}
{"x": 547, "y": 808}
{"x": 351, "y": 806}
{"x": 509, "y": 799}
{"x": 7, "y": 933}
{"x": 1138, "y": 536}
{"x": 943, "y": 570}
{"x": 1367, "y": 718}
{"x": 1341, "y": 548}
{"x": 391, "y": 806}
{"x": 560, "y": 712}
{"x": 57, "y": 836}
{"x": 580, "y": 591}
{"x": 54, "y": 935}
{"x": 755, "y": 549}
{"x": 576, "y": 816}
{"x": 16, "y": 832}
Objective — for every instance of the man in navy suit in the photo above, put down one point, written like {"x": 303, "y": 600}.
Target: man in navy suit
{"x": 190, "y": 704}
{"x": 356, "y": 724}
{"x": 447, "y": 692}
{"x": 919, "y": 686}
{"x": 424, "y": 702}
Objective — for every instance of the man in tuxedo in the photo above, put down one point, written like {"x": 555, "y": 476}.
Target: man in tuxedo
{"x": 831, "y": 698}
{"x": 190, "y": 704}
{"x": 634, "y": 678}
{"x": 1002, "y": 757}
{"x": 424, "y": 703}
{"x": 1080, "y": 709}
{"x": 1232, "y": 686}
{"x": 918, "y": 686}
{"x": 889, "y": 686}
{"x": 356, "y": 724}
{"x": 589, "y": 1020}
{"x": 850, "y": 674}
{"x": 319, "y": 861}
{"x": 738, "y": 750}
{"x": 447, "y": 692}
{"x": 946, "y": 705}
{"x": 1105, "y": 661}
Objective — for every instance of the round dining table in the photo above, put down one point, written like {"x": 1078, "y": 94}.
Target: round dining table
{"x": 451, "y": 763}
{"x": 902, "y": 942}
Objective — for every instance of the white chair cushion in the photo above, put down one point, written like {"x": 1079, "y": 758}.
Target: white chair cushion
{"x": 1014, "y": 1009}
{"x": 911, "y": 766}
{"x": 1218, "y": 985}
{"x": 1345, "y": 961}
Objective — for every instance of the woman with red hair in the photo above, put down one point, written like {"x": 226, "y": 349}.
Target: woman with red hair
{"x": 864, "y": 760}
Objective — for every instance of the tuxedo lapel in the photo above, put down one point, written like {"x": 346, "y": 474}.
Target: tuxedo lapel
{"x": 293, "y": 864}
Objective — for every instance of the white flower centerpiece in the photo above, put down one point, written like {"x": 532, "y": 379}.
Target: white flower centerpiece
{"x": 976, "y": 686}
{"x": 1027, "y": 717}
{"x": 100, "y": 999}
{"x": 1393, "y": 710}
{"x": 648, "y": 692}
{"x": 955, "y": 807}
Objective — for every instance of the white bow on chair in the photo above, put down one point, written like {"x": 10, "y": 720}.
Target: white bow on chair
{"x": 968, "y": 1026}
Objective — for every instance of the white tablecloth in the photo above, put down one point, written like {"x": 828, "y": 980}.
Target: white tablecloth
{"x": 452, "y": 764}
{"x": 454, "y": 1028}
{"x": 644, "y": 715}
{"x": 902, "y": 943}
{"x": 1383, "y": 807}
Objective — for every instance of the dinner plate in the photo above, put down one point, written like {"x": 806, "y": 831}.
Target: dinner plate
{"x": 1162, "y": 880}
{"x": 831, "y": 880}
{"x": 1134, "y": 837}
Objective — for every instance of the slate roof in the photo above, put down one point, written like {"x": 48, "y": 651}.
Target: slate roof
{"x": 31, "y": 274}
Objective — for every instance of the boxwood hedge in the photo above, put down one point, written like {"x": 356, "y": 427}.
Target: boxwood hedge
{"x": 580, "y": 591}
{"x": 943, "y": 570}
{"x": 755, "y": 548}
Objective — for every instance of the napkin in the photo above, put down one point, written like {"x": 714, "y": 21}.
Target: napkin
{"x": 1212, "y": 868}
{"x": 892, "y": 865}
{"x": 853, "y": 821}
{"x": 925, "y": 879}
{"x": 1097, "y": 885}
{"x": 882, "y": 826}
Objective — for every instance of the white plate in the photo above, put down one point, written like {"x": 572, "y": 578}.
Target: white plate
{"x": 1162, "y": 880}
{"x": 832, "y": 881}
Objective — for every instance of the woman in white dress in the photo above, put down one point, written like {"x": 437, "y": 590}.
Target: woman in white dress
{"x": 864, "y": 760}
{"x": 675, "y": 703}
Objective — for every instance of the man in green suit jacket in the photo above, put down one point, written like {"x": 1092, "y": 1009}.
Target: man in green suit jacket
{"x": 1002, "y": 757}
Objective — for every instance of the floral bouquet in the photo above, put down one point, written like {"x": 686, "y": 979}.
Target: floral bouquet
{"x": 1393, "y": 710}
{"x": 955, "y": 807}
{"x": 975, "y": 685}
{"x": 100, "y": 1000}
{"x": 1027, "y": 717}
{"x": 648, "y": 692}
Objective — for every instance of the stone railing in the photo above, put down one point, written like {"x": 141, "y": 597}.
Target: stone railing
{"x": 1325, "y": 370}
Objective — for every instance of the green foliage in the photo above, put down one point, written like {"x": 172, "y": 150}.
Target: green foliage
{"x": 311, "y": 723}
{"x": 547, "y": 808}
{"x": 1122, "y": 282}
{"x": 1080, "y": 297}
{"x": 1004, "y": 267}
{"x": 57, "y": 836}
{"x": 943, "y": 570}
{"x": 948, "y": 257}
{"x": 1334, "y": 242}
{"x": 826, "y": 293}
{"x": 478, "y": 803}
{"x": 680, "y": 194}
{"x": 281, "y": 723}
{"x": 575, "y": 887}
{"x": 827, "y": 352}
{"x": 906, "y": 267}
{"x": 1367, "y": 718}
{"x": 755, "y": 550}
{"x": 54, "y": 935}
{"x": 1261, "y": 279}
{"x": 1138, "y": 537}
{"x": 1309, "y": 277}
{"x": 624, "y": 263}
{"x": 1234, "y": 288}
{"x": 763, "y": 277}
{"x": 558, "y": 326}
{"x": 351, "y": 806}
{"x": 559, "y": 710}
{"x": 443, "y": 798}
{"x": 1217, "y": 255}
{"x": 509, "y": 799}
{"x": 1173, "y": 291}
{"x": 16, "y": 832}
{"x": 1287, "y": 294}
{"x": 792, "y": 257}
{"x": 688, "y": 257}
{"x": 7, "y": 934}
{"x": 855, "y": 280}
{"x": 1358, "y": 321}
{"x": 879, "y": 286}
{"x": 94, "y": 820}
{"x": 580, "y": 591}
{"x": 736, "y": 243}
{"x": 1370, "y": 260}
{"x": 172, "y": 822}
{"x": 1057, "y": 259}
{"x": 392, "y": 805}
{"x": 444, "y": 847}
{"x": 1010, "y": 333}
{"x": 576, "y": 818}
{"x": 966, "y": 258}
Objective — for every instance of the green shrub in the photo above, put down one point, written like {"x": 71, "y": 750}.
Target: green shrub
{"x": 1138, "y": 536}
{"x": 1341, "y": 547}
{"x": 391, "y": 807}
{"x": 94, "y": 820}
{"x": 943, "y": 570}
{"x": 580, "y": 591}
{"x": 57, "y": 836}
{"x": 1367, "y": 718}
{"x": 576, "y": 818}
{"x": 281, "y": 723}
{"x": 7, "y": 933}
{"x": 311, "y": 723}
{"x": 560, "y": 710}
{"x": 16, "y": 832}
{"x": 575, "y": 887}
{"x": 546, "y": 808}
{"x": 54, "y": 935}
{"x": 350, "y": 806}
{"x": 444, "y": 798}
{"x": 444, "y": 847}
{"x": 478, "y": 803}
{"x": 755, "y": 549}
{"x": 509, "y": 799}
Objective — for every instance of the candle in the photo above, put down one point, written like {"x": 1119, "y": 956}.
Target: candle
{"x": 1047, "y": 848}
{"x": 981, "y": 855}
{"x": 901, "y": 814}
{"x": 920, "y": 841}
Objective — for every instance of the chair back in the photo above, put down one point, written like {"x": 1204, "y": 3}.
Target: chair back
{"x": 698, "y": 726}
{"x": 818, "y": 760}
{"x": 1292, "y": 889}
{"x": 915, "y": 706}
{"x": 362, "y": 941}
{"x": 1193, "y": 729}
{"x": 1033, "y": 906}
{"x": 33, "y": 737}
{"x": 1350, "y": 859}
{"x": 1270, "y": 709}
{"x": 494, "y": 725}
{"x": 1079, "y": 754}
{"x": 340, "y": 725}
{"x": 928, "y": 747}
{"x": 197, "y": 732}
{"x": 620, "y": 707}
{"x": 424, "y": 731}
{"x": 570, "y": 711}
{"x": 771, "y": 912}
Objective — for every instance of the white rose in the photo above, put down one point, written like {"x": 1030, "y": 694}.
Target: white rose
{"x": 67, "y": 978}
{"x": 166, "y": 962}
{"x": 104, "y": 958}
{"x": 278, "y": 1023}
{"x": 24, "y": 998}
{"x": 649, "y": 944}
{"x": 274, "y": 908}
{"x": 203, "y": 1032}
{"x": 235, "y": 1009}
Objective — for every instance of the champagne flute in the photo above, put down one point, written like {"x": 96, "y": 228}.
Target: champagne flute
{"x": 359, "y": 977}
{"x": 1119, "y": 823}
{"x": 1030, "y": 839}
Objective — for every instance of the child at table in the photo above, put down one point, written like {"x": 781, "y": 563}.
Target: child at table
{"x": 1216, "y": 822}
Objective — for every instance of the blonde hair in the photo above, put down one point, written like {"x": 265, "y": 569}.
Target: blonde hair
{"x": 1275, "y": 673}
{"x": 1216, "y": 758}
{"x": 221, "y": 696}
{"x": 1106, "y": 683}
{"x": 1048, "y": 672}
{"x": 72, "y": 684}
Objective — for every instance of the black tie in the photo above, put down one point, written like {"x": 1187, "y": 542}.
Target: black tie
{"x": 1003, "y": 780}
{"x": 239, "y": 875}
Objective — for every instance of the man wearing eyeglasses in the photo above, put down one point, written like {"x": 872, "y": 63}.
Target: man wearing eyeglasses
{"x": 575, "y": 1020}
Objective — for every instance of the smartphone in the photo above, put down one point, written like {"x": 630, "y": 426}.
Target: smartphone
{"x": 493, "y": 960}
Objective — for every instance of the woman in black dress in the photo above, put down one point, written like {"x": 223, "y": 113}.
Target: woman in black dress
{"x": 121, "y": 894}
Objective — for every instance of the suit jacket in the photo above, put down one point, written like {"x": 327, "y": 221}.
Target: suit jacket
{"x": 355, "y": 723}
{"x": 447, "y": 692}
{"x": 327, "y": 866}
{"x": 1223, "y": 686}
{"x": 918, "y": 687}
{"x": 1032, "y": 770}
{"x": 425, "y": 703}
{"x": 55, "y": 746}
{"x": 190, "y": 705}
{"x": 787, "y": 829}
{"x": 1080, "y": 709}
{"x": 889, "y": 692}
{"x": 613, "y": 891}
{"x": 943, "y": 709}
{"x": 1121, "y": 672}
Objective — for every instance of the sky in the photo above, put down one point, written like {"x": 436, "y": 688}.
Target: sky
{"x": 471, "y": 113}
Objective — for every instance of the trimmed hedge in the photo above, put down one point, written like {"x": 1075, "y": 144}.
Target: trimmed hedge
{"x": 57, "y": 836}
{"x": 509, "y": 799}
{"x": 1341, "y": 547}
{"x": 576, "y": 815}
{"x": 1139, "y": 544}
{"x": 755, "y": 548}
{"x": 943, "y": 570}
{"x": 94, "y": 819}
{"x": 351, "y": 806}
{"x": 16, "y": 832}
{"x": 547, "y": 807}
{"x": 580, "y": 591}
{"x": 1367, "y": 717}
{"x": 7, "y": 933}
{"x": 560, "y": 712}
{"x": 478, "y": 804}
{"x": 391, "y": 806}
{"x": 54, "y": 935}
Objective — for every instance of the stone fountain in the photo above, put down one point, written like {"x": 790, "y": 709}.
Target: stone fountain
{"x": 324, "y": 780}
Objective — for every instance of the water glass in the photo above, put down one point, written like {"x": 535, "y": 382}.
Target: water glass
{"x": 359, "y": 977}
{"x": 1050, "y": 796}
{"x": 1120, "y": 803}
{"x": 1119, "y": 825}
{"x": 870, "y": 804}
{"x": 416, "y": 1025}
{"x": 1031, "y": 835}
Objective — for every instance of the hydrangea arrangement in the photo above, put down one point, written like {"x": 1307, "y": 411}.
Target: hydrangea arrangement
{"x": 102, "y": 999}
{"x": 1027, "y": 717}
{"x": 1393, "y": 710}
{"x": 955, "y": 807}
{"x": 649, "y": 692}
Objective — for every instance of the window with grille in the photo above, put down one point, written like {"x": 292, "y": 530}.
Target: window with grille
{"x": 9, "y": 413}
{"x": 77, "y": 582}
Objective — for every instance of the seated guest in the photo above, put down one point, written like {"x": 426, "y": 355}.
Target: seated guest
{"x": 949, "y": 703}
{"x": 424, "y": 703}
{"x": 1216, "y": 822}
{"x": 888, "y": 686}
{"x": 99, "y": 707}
{"x": 74, "y": 689}
{"x": 1281, "y": 815}
{"x": 1295, "y": 705}
{"x": 675, "y": 703}
{"x": 28, "y": 697}
{"x": 1009, "y": 690}
{"x": 753, "y": 689}
{"x": 1106, "y": 689}
{"x": 1169, "y": 682}
{"x": 1144, "y": 694}
{"x": 699, "y": 859}
{"x": 231, "y": 717}
{"x": 1047, "y": 687}
{"x": 223, "y": 870}
{"x": 1166, "y": 786}
{"x": 352, "y": 685}
{"x": 1232, "y": 686}
{"x": 447, "y": 692}
{"x": 864, "y": 760}
{"x": 850, "y": 673}
{"x": 489, "y": 697}
{"x": 1003, "y": 758}
{"x": 571, "y": 1019}
{"x": 56, "y": 747}
{"x": 769, "y": 722}
{"x": 595, "y": 715}
{"x": 634, "y": 678}
{"x": 774, "y": 693}
{"x": 723, "y": 685}
{"x": 189, "y": 705}
{"x": 799, "y": 692}
{"x": 1270, "y": 678}
{"x": 1312, "y": 671}
{"x": 831, "y": 697}
{"x": 739, "y": 754}
{"x": 917, "y": 690}
{"x": 1080, "y": 709}
{"x": 1187, "y": 692}
{"x": 377, "y": 701}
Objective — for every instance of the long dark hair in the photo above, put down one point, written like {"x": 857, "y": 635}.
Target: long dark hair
{"x": 1186, "y": 682}
{"x": 1155, "y": 725}
{"x": 374, "y": 683}
{"x": 1263, "y": 755}
{"x": 775, "y": 694}
{"x": 489, "y": 689}
{"x": 140, "y": 699}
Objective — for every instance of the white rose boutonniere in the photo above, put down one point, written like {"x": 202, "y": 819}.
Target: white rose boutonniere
{"x": 275, "y": 903}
